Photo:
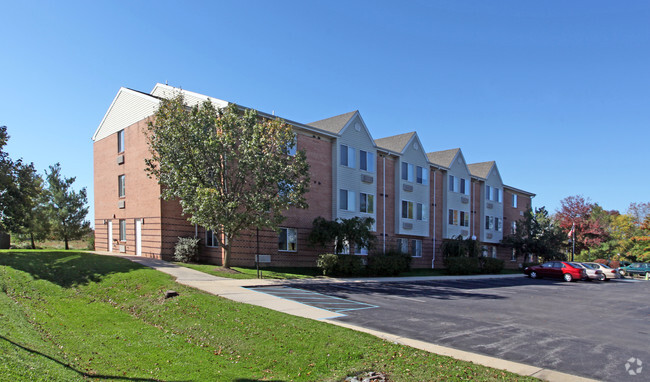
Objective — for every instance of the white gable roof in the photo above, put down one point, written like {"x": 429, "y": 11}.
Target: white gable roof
{"x": 191, "y": 98}
{"x": 128, "y": 107}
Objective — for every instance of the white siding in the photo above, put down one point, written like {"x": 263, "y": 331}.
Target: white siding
{"x": 127, "y": 108}
{"x": 413, "y": 154}
{"x": 492, "y": 208}
{"x": 457, "y": 200}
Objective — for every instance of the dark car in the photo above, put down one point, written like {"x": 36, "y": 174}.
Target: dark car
{"x": 639, "y": 269}
{"x": 557, "y": 269}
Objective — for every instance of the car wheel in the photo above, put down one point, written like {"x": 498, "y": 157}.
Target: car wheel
{"x": 533, "y": 275}
{"x": 568, "y": 278}
{"x": 602, "y": 277}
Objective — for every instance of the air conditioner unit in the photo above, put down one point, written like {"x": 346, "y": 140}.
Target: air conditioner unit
{"x": 367, "y": 178}
{"x": 121, "y": 204}
{"x": 407, "y": 188}
{"x": 122, "y": 248}
{"x": 120, "y": 159}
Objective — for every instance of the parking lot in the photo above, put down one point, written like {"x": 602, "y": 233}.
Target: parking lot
{"x": 591, "y": 329}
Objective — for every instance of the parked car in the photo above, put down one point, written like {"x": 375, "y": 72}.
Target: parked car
{"x": 557, "y": 269}
{"x": 593, "y": 273}
{"x": 609, "y": 272}
{"x": 636, "y": 269}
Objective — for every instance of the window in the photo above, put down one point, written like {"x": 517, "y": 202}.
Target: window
{"x": 464, "y": 219}
{"x": 366, "y": 161}
{"x": 514, "y": 200}
{"x": 347, "y": 156}
{"x": 403, "y": 245}
{"x": 211, "y": 239}
{"x": 121, "y": 190}
{"x": 494, "y": 252}
{"x": 497, "y": 224}
{"x": 346, "y": 200}
{"x": 489, "y": 222}
{"x": 120, "y": 141}
{"x": 450, "y": 219}
{"x": 361, "y": 251}
{"x": 513, "y": 256}
{"x": 464, "y": 186}
{"x": 488, "y": 195}
{"x": 292, "y": 147}
{"x": 367, "y": 203}
{"x": 421, "y": 175}
{"x": 407, "y": 171}
{"x": 122, "y": 230}
{"x": 407, "y": 209}
{"x": 497, "y": 194}
{"x": 288, "y": 240}
{"x": 421, "y": 212}
{"x": 416, "y": 248}
{"x": 513, "y": 226}
{"x": 454, "y": 183}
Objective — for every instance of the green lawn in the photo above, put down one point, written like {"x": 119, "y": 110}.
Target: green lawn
{"x": 67, "y": 316}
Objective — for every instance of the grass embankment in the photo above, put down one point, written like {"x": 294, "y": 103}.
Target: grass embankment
{"x": 68, "y": 316}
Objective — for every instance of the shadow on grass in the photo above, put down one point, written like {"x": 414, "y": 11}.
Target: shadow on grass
{"x": 66, "y": 268}
{"x": 67, "y": 366}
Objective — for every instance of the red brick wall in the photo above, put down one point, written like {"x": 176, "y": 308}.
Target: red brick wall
{"x": 440, "y": 215}
{"x": 141, "y": 193}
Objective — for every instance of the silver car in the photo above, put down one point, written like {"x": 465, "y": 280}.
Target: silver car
{"x": 609, "y": 272}
{"x": 592, "y": 273}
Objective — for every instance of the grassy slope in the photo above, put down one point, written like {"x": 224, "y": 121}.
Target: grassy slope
{"x": 70, "y": 316}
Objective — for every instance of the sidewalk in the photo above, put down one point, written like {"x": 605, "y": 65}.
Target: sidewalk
{"x": 234, "y": 289}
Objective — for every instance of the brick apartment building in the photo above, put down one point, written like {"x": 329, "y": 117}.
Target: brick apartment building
{"x": 417, "y": 199}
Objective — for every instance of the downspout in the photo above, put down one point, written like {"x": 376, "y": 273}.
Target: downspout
{"x": 471, "y": 219}
{"x": 384, "y": 201}
{"x": 433, "y": 258}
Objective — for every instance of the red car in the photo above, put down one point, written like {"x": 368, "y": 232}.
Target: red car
{"x": 557, "y": 269}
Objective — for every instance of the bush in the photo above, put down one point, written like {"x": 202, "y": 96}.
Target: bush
{"x": 340, "y": 265}
{"x": 186, "y": 249}
{"x": 391, "y": 263}
{"x": 491, "y": 265}
{"x": 462, "y": 265}
{"x": 525, "y": 264}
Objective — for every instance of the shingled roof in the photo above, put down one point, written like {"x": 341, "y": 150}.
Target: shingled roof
{"x": 396, "y": 143}
{"x": 443, "y": 158}
{"x": 481, "y": 170}
{"x": 334, "y": 124}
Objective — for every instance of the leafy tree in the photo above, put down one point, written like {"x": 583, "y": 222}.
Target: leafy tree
{"x": 27, "y": 214}
{"x": 589, "y": 221}
{"x": 6, "y": 178}
{"x": 459, "y": 247}
{"x": 355, "y": 232}
{"x": 66, "y": 208}
{"x": 539, "y": 234}
{"x": 639, "y": 211}
{"x": 230, "y": 169}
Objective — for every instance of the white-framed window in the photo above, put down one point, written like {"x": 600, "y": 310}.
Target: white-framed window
{"x": 120, "y": 141}
{"x": 497, "y": 224}
{"x": 416, "y": 248}
{"x": 497, "y": 194}
{"x": 421, "y": 212}
{"x": 464, "y": 219}
{"x": 464, "y": 186}
{"x": 407, "y": 171}
{"x": 421, "y": 175}
{"x": 488, "y": 193}
{"x": 367, "y": 203}
{"x": 453, "y": 217}
{"x": 513, "y": 256}
{"x": 361, "y": 251}
{"x": 292, "y": 147}
{"x": 513, "y": 226}
{"x": 407, "y": 209}
{"x": 366, "y": 161}
{"x": 347, "y": 156}
{"x": 514, "y": 200}
{"x": 211, "y": 239}
{"x": 122, "y": 224}
{"x": 489, "y": 222}
{"x": 346, "y": 200}
{"x": 121, "y": 186}
{"x": 288, "y": 240}
{"x": 494, "y": 252}
{"x": 403, "y": 245}
{"x": 454, "y": 184}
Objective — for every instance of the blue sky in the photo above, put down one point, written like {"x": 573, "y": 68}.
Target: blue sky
{"x": 556, "y": 92}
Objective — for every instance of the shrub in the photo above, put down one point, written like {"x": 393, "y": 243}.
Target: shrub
{"x": 186, "y": 249}
{"x": 340, "y": 265}
{"x": 525, "y": 264}
{"x": 491, "y": 265}
{"x": 601, "y": 261}
{"x": 462, "y": 265}
{"x": 391, "y": 263}
{"x": 459, "y": 247}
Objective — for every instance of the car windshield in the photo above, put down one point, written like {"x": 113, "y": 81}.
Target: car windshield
{"x": 636, "y": 265}
{"x": 604, "y": 266}
{"x": 590, "y": 266}
{"x": 577, "y": 265}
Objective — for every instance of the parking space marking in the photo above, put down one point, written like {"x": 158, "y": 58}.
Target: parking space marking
{"x": 315, "y": 299}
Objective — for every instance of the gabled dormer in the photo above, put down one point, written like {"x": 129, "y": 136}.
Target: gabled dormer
{"x": 128, "y": 107}
{"x": 491, "y": 200}
{"x": 412, "y": 193}
{"x": 457, "y": 194}
{"x": 354, "y": 170}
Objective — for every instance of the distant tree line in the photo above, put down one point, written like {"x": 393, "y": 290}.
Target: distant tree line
{"x": 38, "y": 208}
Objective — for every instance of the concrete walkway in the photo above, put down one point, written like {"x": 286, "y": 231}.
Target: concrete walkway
{"x": 236, "y": 290}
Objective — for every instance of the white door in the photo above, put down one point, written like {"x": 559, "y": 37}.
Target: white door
{"x": 138, "y": 237}
{"x": 110, "y": 236}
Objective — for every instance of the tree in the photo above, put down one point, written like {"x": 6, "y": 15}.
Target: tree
{"x": 66, "y": 208}
{"x": 6, "y": 178}
{"x": 355, "y": 232}
{"x": 230, "y": 169}
{"x": 538, "y": 234}
{"x": 639, "y": 211}
{"x": 590, "y": 231}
